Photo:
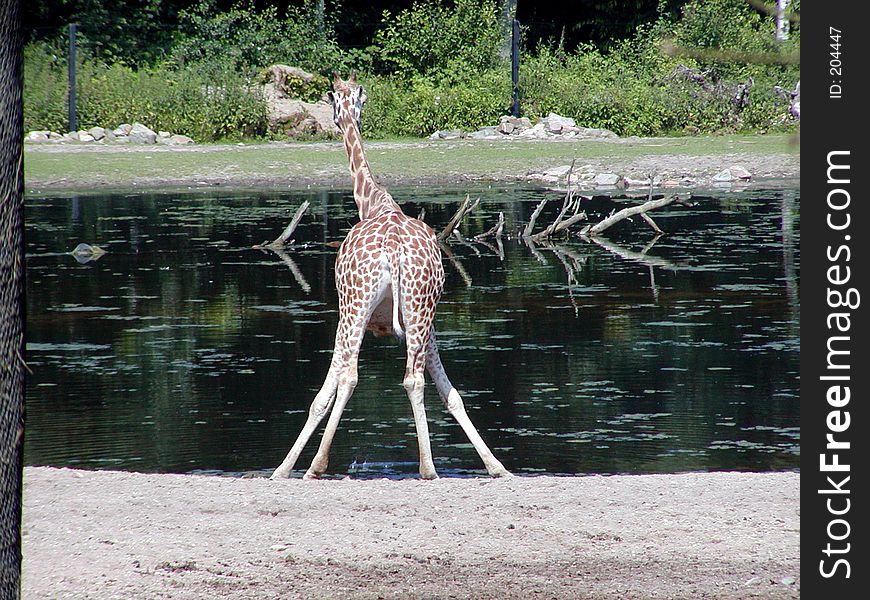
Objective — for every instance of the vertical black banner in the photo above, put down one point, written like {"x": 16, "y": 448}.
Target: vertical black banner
{"x": 834, "y": 264}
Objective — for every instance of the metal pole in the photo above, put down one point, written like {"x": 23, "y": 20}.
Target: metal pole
{"x": 515, "y": 68}
{"x": 73, "y": 125}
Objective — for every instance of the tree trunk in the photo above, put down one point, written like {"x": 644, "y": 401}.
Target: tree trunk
{"x": 11, "y": 298}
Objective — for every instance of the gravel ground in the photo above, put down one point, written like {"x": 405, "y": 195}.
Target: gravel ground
{"x": 101, "y": 534}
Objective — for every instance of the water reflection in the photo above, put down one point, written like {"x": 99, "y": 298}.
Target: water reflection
{"x": 182, "y": 349}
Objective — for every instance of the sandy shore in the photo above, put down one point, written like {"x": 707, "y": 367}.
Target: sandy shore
{"x": 126, "y": 535}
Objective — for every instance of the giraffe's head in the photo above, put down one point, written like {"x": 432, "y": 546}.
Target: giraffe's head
{"x": 347, "y": 99}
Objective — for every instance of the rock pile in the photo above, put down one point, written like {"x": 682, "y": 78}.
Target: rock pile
{"x": 137, "y": 133}
{"x": 587, "y": 177}
{"x": 552, "y": 126}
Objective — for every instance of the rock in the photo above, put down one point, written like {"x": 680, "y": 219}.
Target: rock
{"x": 296, "y": 117}
{"x": 508, "y": 124}
{"x": 735, "y": 173}
{"x": 556, "y": 123}
{"x": 97, "y": 133}
{"x": 54, "y": 136}
{"x": 595, "y": 133}
{"x": 122, "y": 129}
{"x": 37, "y": 136}
{"x": 84, "y": 136}
{"x": 789, "y": 580}
{"x": 607, "y": 180}
{"x": 559, "y": 172}
{"x": 140, "y": 134}
{"x": 286, "y": 82}
{"x": 179, "y": 140}
{"x": 485, "y": 133}
{"x": 538, "y": 132}
{"x": 641, "y": 183}
{"x": 85, "y": 253}
{"x": 164, "y": 134}
{"x": 71, "y": 136}
{"x": 754, "y": 581}
{"x": 452, "y": 134}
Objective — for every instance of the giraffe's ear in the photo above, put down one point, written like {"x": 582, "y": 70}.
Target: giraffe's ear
{"x": 352, "y": 76}
{"x": 336, "y": 79}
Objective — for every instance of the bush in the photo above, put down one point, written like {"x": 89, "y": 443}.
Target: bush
{"x": 450, "y": 42}
{"x": 249, "y": 40}
{"x": 207, "y": 104}
{"x": 418, "y": 108}
{"x": 433, "y": 66}
{"x": 45, "y": 88}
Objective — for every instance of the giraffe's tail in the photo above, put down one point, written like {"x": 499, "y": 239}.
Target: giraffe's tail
{"x": 396, "y": 285}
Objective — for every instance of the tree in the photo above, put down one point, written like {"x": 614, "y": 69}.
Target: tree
{"x": 11, "y": 297}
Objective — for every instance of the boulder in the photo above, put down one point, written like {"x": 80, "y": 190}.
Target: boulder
{"x": 607, "y": 180}
{"x": 735, "y": 173}
{"x": 84, "y": 136}
{"x": 295, "y": 118}
{"x": 140, "y": 134}
{"x": 508, "y": 124}
{"x": 122, "y": 129}
{"x": 179, "y": 140}
{"x": 288, "y": 82}
{"x": 97, "y": 133}
{"x": 485, "y": 133}
{"x": 452, "y": 134}
{"x": 556, "y": 123}
{"x": 37, "y": 136}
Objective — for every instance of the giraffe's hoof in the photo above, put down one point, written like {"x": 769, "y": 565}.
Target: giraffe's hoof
{"x": 279, "y": 473}
{"x": 503, "y": 473}
{"x": 310, "y": 475}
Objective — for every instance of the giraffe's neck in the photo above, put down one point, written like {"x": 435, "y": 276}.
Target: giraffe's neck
{"x": 371, "y": 199}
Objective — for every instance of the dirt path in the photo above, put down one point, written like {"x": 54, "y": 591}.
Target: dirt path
{"x": 124, "y": 535}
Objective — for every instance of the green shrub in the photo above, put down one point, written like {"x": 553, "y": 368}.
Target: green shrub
{"x": 45, "y": 88}
{"x": 206, "y": 103}
{"x": 246, "y": 39}
{"x": 450, "y": 41}
{"x": 420, "y": 107}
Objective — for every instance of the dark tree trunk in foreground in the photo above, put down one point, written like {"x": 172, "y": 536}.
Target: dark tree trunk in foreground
{"x": 11, "y": 299}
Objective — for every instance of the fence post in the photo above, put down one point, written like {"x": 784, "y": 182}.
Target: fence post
{"x": 515, "y": 68}
{"x": 73, "y": 125}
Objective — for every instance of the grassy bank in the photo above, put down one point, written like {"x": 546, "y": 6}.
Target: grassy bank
{"x": 83, "y": 168}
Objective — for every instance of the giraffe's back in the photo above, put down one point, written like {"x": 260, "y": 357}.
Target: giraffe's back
{"x": 400, "y": 259}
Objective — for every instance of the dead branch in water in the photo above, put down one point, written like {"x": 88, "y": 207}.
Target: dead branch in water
{"x": 282, "y": 240}
{"x": 641, "y": 209}
{"x": 495, "y": 231}
{"x": 466, "y": 207}
{"x": 571, "y": 203}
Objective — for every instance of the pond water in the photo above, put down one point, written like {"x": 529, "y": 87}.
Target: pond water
{"x": 182, "y": 349}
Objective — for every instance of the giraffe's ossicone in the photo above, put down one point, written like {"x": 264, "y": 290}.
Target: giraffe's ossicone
{"x": 389, "y": 277}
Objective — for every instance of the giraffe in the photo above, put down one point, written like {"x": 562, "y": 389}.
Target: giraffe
{"x": 389, "y": 277}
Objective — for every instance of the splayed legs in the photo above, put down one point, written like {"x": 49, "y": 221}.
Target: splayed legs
{"x": 453, "y": 402}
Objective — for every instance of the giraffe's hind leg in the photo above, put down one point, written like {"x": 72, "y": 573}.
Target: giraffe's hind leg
{"x": 414, "y": 384}
{"x": 453, "y": 402}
